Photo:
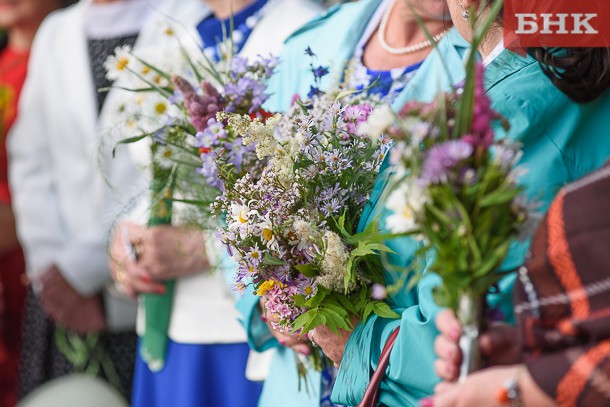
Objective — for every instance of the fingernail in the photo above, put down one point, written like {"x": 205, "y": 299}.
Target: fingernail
{"x": 161, "y": 290}
{"x": 282, "y": 342}
{"x": 263, "y": 318}
{"x": 449, "y": 370}
{"x": 146, "y": 278}
{"x": 306, "y": 351}
{"x": 454, "y": 334}
{"x": 429, "y": 402}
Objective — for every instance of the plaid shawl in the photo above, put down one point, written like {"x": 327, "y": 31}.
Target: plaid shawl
{"x": 563, "y": 296}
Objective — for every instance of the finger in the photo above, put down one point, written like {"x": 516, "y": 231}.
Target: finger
{"x": 290, "y": 340}
{"x": 448, "y": 325}
{"x": 444, "y": 370}
{"x": 301, "y": 348}
{"x": 443, "y": 387}
{"x": 310, "y": 335}
{"x": 448, "y": 398}
{"x": 139, "y": 281}
{"x": 447, "y": 350}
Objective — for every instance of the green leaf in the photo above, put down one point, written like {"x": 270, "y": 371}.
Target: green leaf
{"x": 300, "y": 322}
{"x": 346, "y": 303}
{"x": 306, "y": 269}
{"x": 269, "y": 260}
{"x": 128, "y": 141}
{"x": 384, "y": 311}
{"x": 318, "y": 319}
{"x": 299, "y": 300}
{"x": 367, "y": 311}
{"x": 498, "y": 197}
{"x": 317, "y": 299}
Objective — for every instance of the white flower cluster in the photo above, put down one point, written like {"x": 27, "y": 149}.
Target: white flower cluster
{"x": 334, "y": 263}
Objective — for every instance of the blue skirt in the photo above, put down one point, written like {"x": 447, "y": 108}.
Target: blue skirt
{"x": 198, "y": 376}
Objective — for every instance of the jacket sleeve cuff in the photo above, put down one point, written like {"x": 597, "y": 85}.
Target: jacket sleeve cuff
{"x": 85, "y": 268}
{"x": 360, "y": 359}
{"x": 259, "y": 337}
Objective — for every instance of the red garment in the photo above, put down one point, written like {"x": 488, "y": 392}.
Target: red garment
{"x": 13, "y": 66}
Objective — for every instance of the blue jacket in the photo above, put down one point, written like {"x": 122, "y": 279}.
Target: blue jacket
{"x": 333, "y": 38}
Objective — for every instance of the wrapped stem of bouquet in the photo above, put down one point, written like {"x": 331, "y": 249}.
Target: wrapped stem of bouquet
{"x": 158, "y": 306}
{"x": 457, "y": 191}
{"x": 470, "y": 314}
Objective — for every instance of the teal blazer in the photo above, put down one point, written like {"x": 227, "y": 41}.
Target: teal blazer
{"x": 333, "y": 38}
{"x": 562, "y": 141}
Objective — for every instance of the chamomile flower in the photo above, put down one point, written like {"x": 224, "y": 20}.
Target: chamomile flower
{"x": 240, "y": 215}
{"x": 166, "y": 156}
{"x": 118, "y": 64}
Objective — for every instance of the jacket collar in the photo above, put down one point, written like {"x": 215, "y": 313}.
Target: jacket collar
{"x": 505, "y": 65}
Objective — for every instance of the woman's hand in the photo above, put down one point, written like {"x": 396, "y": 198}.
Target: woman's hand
{"x": 486, "y": 388}
{"x": 332, "y": 344}
{"x": 161, "y": 253}
{"x": 129, "y": 277}
{"x": 298, "y": 343}
{"x": 66, "y": 306}
{"x": 499, "y": 345}
{"x": 167, "y": 252}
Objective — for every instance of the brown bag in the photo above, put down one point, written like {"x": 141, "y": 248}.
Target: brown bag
{"x": 371, "y": 395}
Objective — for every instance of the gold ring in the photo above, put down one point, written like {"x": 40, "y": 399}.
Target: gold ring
{"x": 138, "y": 249}
{"x": 121, "y": 276}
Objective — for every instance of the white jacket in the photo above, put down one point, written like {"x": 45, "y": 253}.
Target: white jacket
{"x": 203, "y": 309}
{"x": 63, "y": 204}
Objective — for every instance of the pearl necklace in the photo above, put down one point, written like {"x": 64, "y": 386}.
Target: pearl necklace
{"x": 406, "y": 50}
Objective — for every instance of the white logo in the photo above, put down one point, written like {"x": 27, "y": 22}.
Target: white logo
{"x": 530, "y": 23}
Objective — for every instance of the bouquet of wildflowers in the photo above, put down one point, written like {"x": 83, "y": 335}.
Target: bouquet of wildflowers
{"x": 292, "y": 230}
{"x": 174, "y": 109}
{"x": 456, "y": 190}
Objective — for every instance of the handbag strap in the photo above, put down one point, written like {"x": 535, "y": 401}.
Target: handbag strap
{"x": 371, "y": 395}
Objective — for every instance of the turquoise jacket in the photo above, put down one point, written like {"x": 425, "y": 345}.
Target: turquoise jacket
{"x": 333, "y": 38}
{"x": 562, "y": 141}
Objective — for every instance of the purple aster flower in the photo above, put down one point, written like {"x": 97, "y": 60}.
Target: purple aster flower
{"x": 211, "y": 136}
{"x": 442, "y": 159}
{"x": 282, "y": 273}
{"x": 306, "y": 286}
